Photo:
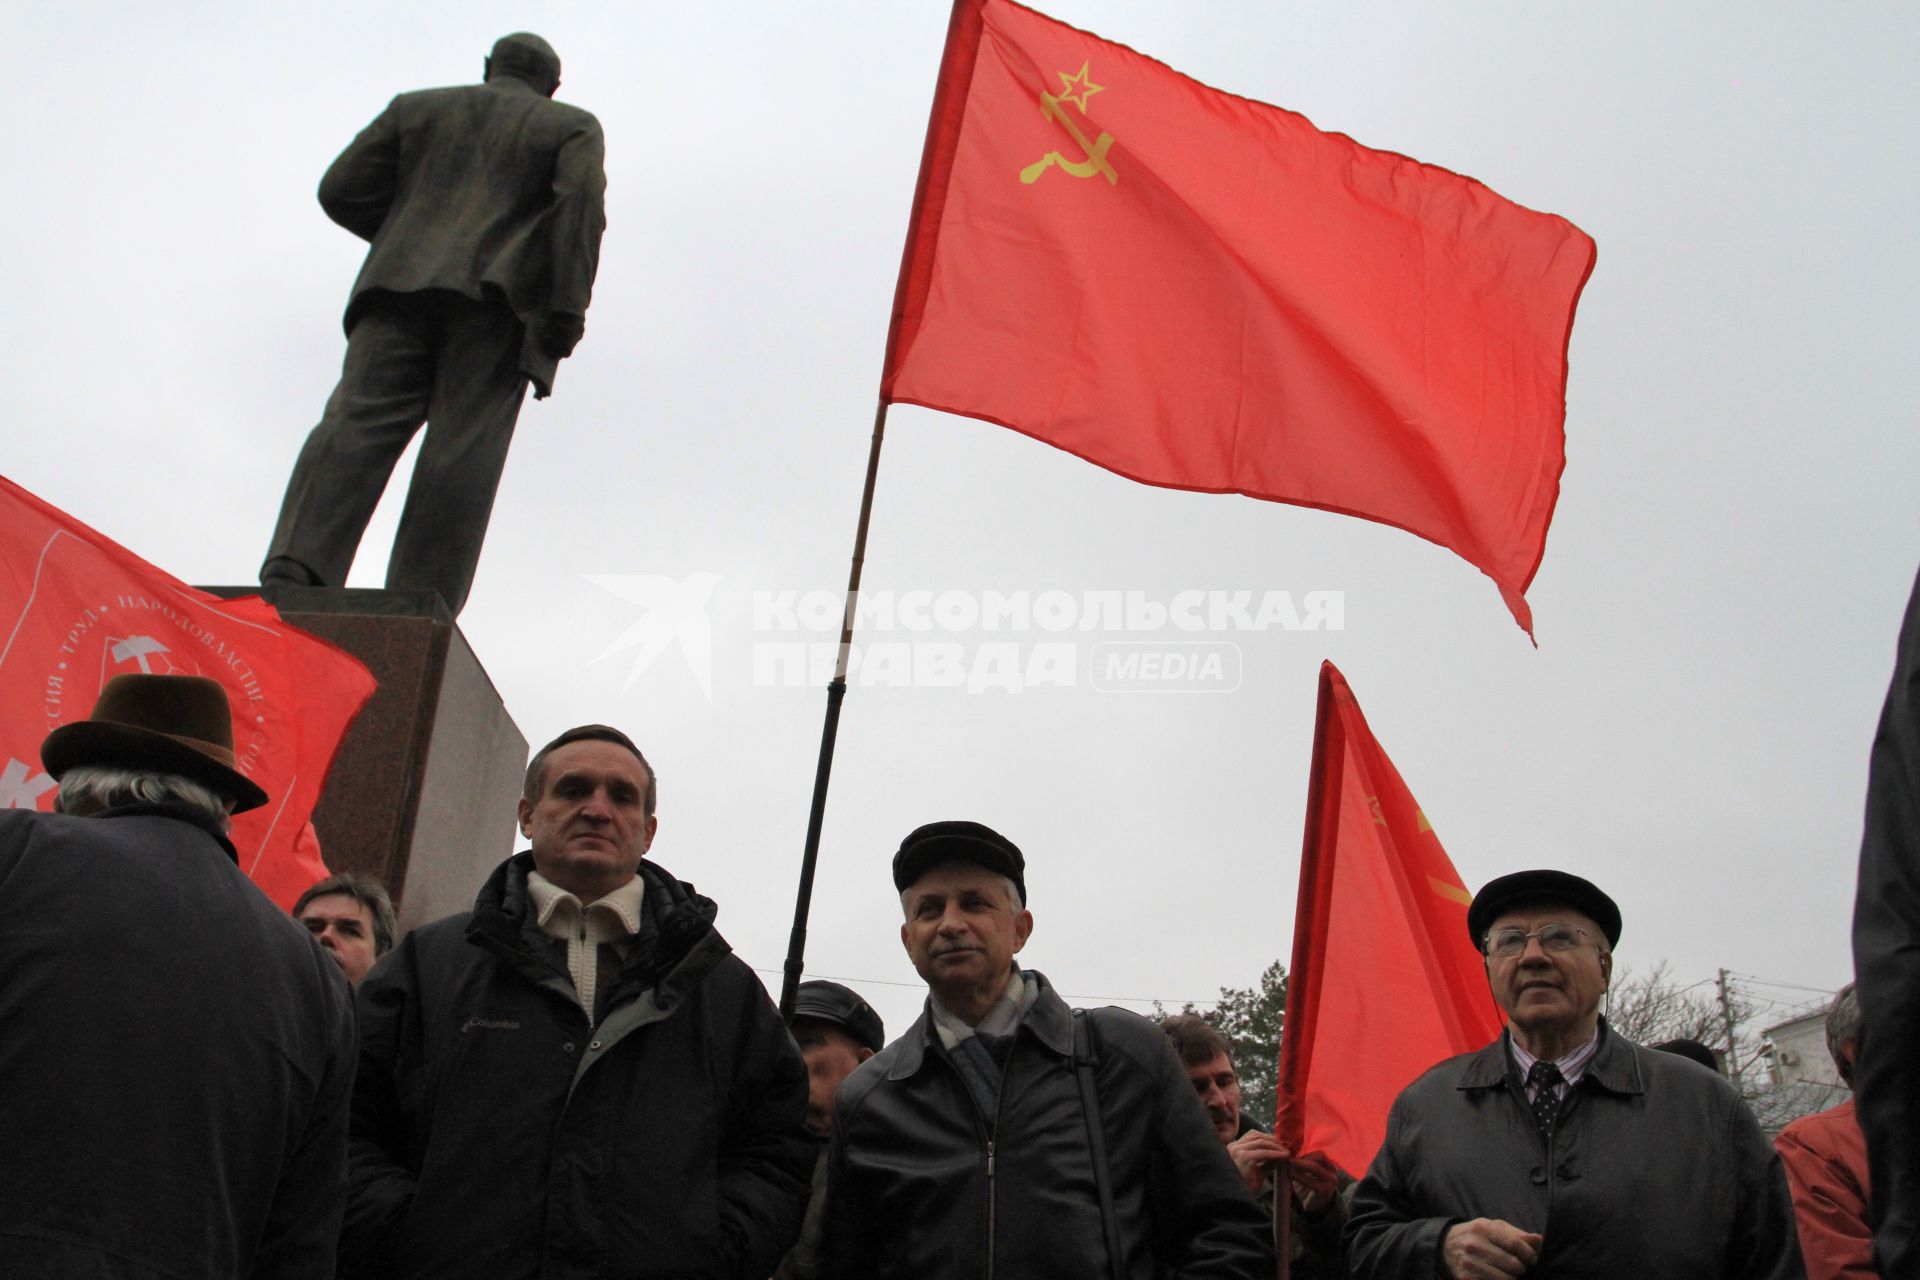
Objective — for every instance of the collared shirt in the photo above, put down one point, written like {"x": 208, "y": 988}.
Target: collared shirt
{"x": 1572, "y": 1067}
{"x": 613, "y": 919}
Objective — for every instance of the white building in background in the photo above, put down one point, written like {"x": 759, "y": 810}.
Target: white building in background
{"x": 1796, "y": 1050}
{"x": 1802, "y": 1075}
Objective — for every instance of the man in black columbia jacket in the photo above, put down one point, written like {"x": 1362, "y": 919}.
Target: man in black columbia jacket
{"x": 1008, "y": 1135}
{"x": 577, "y": 1079}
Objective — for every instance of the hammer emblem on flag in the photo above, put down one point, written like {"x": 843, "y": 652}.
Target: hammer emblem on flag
{"x": 1075, "y": 89}
{"x": 138, "y": 649}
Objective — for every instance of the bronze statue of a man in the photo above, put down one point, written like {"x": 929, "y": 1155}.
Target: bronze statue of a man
{"x": 483, "y": 205}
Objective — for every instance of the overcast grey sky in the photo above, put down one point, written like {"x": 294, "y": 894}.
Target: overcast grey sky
{"x": 1723, "y": 580}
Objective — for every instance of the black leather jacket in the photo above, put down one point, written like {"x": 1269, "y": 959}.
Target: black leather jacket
{"x": 1655, "y": 1168}
{"x": 922, "y": 1185}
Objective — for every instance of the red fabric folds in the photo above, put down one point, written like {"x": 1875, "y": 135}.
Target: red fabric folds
{"x": 77, "y": 609}
{"x": 1385, "y": 982}
{"x": 1200, "y": 291}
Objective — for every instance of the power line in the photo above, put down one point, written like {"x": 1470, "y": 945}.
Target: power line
{"x": 834, "y": 977}
{"x": 1789, "y": 986}
{"x": 889, "y": 982}
{"x": 1164, "y": 1003}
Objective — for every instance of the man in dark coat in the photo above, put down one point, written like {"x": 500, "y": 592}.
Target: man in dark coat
{"x": 483, "y": 204}
{"x": 1006, "y": 1134}
{"x": 1320, "y": 1193}
{"x": 836, "y": 1031}
{"x": 1886, "y": 960}
{"x": 175, "y": 1055}
{"x": 1563, "y": 1149}
{"x": 351, "y": 918}
{"x": 578, "y": 1078}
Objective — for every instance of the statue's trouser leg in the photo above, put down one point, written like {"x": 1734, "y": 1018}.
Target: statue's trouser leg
{"x": 477, "y": 390}
{"x": 380, "y": 402}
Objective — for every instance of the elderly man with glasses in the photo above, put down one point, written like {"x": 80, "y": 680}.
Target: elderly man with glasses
{"x": 1563, "y": 1149}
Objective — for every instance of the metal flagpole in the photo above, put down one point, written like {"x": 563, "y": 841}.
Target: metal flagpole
{"x": 1282, "y": 1208}
{"x": 836, "y": 693}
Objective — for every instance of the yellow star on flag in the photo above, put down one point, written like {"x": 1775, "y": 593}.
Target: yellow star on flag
{"x": 1077, "y": 88}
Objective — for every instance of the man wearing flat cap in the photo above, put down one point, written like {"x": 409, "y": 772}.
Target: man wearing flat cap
{"x": 1006, "y": 1134}
{"x": 1563, "y": 1149}
{"x": 578, "y": 1077}
{"x": 836, "y": 1031}
{"x": 175, "y": 1056}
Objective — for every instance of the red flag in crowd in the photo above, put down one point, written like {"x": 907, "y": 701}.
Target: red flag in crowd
{"x": 77, "y": 609}
{"x": 1385, "y": 982}
{"x": 1200, "y": 291}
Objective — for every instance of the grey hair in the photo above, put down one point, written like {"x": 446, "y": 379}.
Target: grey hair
{"x": 1006, "y": 884}
{"x": 1843, "y": 1024}
{"x": 90, "y": 788}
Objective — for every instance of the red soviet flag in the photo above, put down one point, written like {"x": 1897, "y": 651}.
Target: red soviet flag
{"x": 77, "y": 609}
{"x": 1205, "y": 292}
{"x": 1385, "y": 982}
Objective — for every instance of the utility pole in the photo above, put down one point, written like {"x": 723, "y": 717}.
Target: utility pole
{"x": 1733, "y": 1049}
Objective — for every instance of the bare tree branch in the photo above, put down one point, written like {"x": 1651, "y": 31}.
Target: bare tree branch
{"x": 1651, "y": 1007}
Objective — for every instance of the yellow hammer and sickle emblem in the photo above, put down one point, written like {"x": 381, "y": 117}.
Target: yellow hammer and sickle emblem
{"x": 1095, "y": 152}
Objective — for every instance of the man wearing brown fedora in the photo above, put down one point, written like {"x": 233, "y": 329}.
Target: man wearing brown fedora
{"x": 175, "y": 1056}
{"x": 1564, "y": 1149}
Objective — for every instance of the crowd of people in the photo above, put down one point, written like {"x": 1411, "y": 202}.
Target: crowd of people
{"x": 578, "y": 1078}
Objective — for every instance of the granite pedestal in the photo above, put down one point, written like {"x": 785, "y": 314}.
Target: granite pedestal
{"x": 422, "y": 795}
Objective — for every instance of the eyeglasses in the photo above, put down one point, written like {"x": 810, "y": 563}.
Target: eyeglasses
{"x": 1558, "y": 939}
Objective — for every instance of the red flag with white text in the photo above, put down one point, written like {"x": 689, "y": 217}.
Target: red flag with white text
{"x": 1385, "y": 981}
{"x": 1201, "y": 291}
{"x": 77, "y": 609}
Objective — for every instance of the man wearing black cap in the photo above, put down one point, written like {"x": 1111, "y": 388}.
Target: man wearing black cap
{"x": 175, "y": 1055}
{"x": 836, "y": 1031}
{"x": 1563, "y": 1148}
{"x": 1008, "y": 1134}
{"x": 577, "y": 1078}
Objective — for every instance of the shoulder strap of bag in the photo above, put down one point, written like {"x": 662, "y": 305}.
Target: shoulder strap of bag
{"x": 1083, "y": 1062}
